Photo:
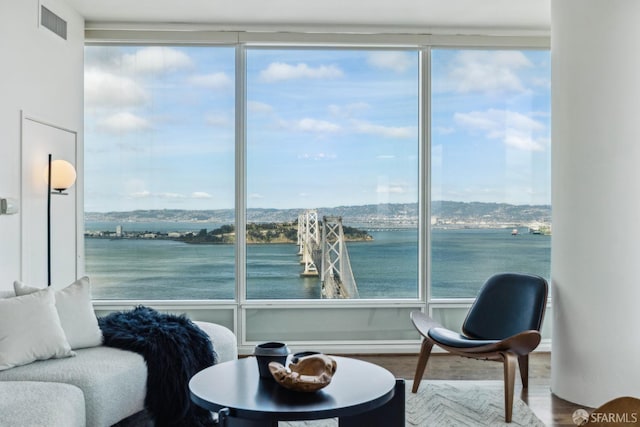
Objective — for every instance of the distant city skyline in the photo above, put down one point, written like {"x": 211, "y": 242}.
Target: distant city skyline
{"x": 324, "y": 127}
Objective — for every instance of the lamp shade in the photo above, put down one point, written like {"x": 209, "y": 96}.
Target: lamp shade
{"x": 63, "y": 175}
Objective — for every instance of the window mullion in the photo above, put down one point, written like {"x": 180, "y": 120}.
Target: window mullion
{"x": 240, "y": 176}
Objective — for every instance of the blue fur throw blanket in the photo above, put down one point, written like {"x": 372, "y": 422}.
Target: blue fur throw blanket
{"x": 175, "y": 349}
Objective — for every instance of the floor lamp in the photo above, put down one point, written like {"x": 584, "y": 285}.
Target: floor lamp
{"x": 60, "y": 176}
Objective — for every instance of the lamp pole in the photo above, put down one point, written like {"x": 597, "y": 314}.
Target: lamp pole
{"x": 60, "y": 180}
{"x": 49, "y": 223}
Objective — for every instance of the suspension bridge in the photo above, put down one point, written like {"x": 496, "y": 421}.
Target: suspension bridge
{"x": 324, "y": 254}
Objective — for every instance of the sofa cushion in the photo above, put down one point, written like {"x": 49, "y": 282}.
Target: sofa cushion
{"x": 76, "y": 313}
{"x": 224, "y": 341}
{"x": 113, "y": 381}
{"x": 7, "y": 294}
{"x": 41, "y": 404}
{"x": 30, "y": 330}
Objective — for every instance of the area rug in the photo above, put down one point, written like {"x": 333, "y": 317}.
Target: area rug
{"x": 453, "y": 403}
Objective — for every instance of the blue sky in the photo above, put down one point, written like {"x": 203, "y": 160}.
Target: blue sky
{"x": 324, "y": 127}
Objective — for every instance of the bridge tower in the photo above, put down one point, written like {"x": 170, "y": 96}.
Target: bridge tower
{"x": 302, "y": 225}
{"x": 309, "y": 241}
{"x": 337, "y": 276}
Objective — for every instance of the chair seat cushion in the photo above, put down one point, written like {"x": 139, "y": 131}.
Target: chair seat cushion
{"x": 453, "y": 339}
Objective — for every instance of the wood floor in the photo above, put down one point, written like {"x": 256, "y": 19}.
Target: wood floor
{"x": 552, "y": 410}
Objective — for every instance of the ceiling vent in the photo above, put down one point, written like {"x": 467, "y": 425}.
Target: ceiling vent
{"x": 53, "y": 22}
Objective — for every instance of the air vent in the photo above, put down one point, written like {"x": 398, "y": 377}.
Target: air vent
{"x": 53, "y": 22}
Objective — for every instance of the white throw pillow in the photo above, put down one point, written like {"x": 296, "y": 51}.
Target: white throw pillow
{"x": 76, "y": 313}
{"x": 7, "y": 294}
{"x": 30, "y": 330}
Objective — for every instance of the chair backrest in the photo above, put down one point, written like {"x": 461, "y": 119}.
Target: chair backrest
{"x": 507, "y": 304}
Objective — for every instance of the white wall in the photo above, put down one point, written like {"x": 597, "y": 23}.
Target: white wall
{"x": 596, "y": 199}
{"x": 42, "y": 75}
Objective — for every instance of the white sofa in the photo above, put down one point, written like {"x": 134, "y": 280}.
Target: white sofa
{"x": 54, "y": 372}
{"x": 98, "y": 387}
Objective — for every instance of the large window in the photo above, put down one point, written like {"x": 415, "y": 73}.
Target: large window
{"x": 159, "y": 156}
{"x": 332, "y": 141}
{"x": 340, "y": 150}
{"x": 490, "y": 167}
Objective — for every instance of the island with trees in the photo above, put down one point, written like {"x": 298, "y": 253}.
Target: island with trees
{"x": 272, "y": 232}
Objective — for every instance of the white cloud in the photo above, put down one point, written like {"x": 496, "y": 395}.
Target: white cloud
{"x": 385, "y": 131}
{"x": 256, "y": 196}
{"x": 136, "y": 188}
{"x": 123, "y": 123}
{"x": 156, "y": 60}
{"x": 395, "y": 61}
{"x": 391, "y": 189}
{"x": 218, "y": 119}
{"x": 478, "y": 120}
{"x": 214, "y": 81}
{"x": 348, "y": 110}
{"x": 311, "y": 125}
{"x": 317, "y": 156}
{"x": 386, "y": 156}
{"x": 104, "y": 89}
{"x": 489, "y": 72}
{"x": 259, "y": 107}
{"x": 441, "y": 130}
{"x": 103, "y": 58}
{"x": 144, "y": 194}
{"x": 201, "y": 195}
{"x": 525, "y": 142}
{"x": 541, "y": 82}
{"x": 514, "y": 129}
{"x": 278, "y": 71}
{"x": 494, "y": 119}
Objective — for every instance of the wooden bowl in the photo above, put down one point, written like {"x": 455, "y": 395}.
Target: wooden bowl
{"x": 310, "y": 373}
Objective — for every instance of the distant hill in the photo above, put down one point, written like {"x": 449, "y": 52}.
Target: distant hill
{"x": 476, "y": 212}
{"x": 373, "y": 216}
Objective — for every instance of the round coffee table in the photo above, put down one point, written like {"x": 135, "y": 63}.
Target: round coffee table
{"x": 360, "y": 394}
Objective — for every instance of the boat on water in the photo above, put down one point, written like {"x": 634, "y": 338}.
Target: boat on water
{"x": 514, "y": 232}
{"x": 544, "y": 230}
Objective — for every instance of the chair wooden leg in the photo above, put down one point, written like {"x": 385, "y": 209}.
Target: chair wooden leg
{"x": 425, "y": 352}
{"x": 523, "y": 364}
{"x": 510, "y": 361}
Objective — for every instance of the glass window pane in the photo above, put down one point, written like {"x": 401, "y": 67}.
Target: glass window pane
{"x": 159, "y": 171}
{"x": 332, "y": 143}
{"x": 490, "y": 167}
{"x": 328, "y": 324}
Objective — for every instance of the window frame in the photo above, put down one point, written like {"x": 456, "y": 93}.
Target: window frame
{"x": 234, "y": 313}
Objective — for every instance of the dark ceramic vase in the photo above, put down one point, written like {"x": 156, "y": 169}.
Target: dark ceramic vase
{"x": 270, "y": 352}
{"x": 300, "y": 355}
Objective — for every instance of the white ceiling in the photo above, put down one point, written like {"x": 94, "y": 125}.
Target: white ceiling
{"x": 423, "y": 16}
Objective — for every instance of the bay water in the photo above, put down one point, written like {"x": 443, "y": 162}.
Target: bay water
{"x": 386, "y": 267}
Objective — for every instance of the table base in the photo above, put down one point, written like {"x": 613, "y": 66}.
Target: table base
{"x": 391, "y": 413}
